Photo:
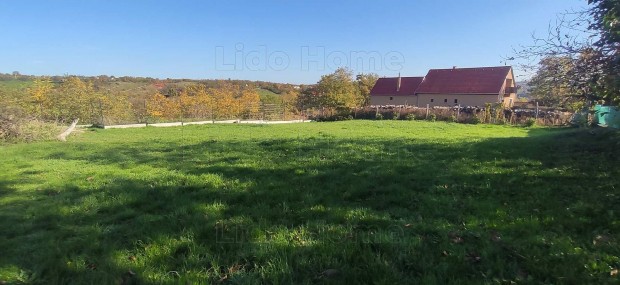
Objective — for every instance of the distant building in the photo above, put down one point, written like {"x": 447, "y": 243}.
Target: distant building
{"x": 395, "y": 91}
{"x": 448, "y": 87}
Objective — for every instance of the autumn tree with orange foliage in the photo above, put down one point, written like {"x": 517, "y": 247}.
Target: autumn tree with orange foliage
{"x": 160, "y": 107}
{"x": 40, "y": 95}
{"x": 197, "y": 102}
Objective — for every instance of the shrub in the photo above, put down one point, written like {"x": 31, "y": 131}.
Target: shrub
{"x": 452, "y": 119}
{"x": 35, "y": 130}
{"x": 432, "y": 117}
{"x": 530, "y": 122}
{"x": 15, "y": 126}
{"x": 474, "y": 120}
{"x": 395, "y": 115}
{"x": 379, "y": 116}
{"x": 410, "y": 117}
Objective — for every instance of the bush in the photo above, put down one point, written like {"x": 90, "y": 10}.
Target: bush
{"x": 452, "y": 119}
{"x": 530, "y": 122}
{"x": 473, "y": 120}
{"x": 410, "y": 117}
{"x": 35, "y": 130}
{"x": 395, "y": 115}
{"x": 15, "y": 126}
{"x": 432, "y": 117}
{"x": 379, "y": 116}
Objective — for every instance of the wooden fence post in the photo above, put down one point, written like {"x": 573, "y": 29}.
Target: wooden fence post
{"x": 427, "y": 106}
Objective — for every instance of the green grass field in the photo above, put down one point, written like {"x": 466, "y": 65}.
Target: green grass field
{"x": 357, "y": 202}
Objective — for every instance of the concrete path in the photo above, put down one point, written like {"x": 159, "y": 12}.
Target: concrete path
{"x": 179, "y": 124}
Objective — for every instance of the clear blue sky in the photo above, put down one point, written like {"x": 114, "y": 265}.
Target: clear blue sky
{"x": 281, "y": 41}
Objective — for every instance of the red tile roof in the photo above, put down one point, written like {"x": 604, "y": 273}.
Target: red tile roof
{"x": 478, "y": 80}
{"x": 387, "y": 86}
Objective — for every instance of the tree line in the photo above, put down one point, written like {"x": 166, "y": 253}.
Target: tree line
{"x": 92, "y": 100}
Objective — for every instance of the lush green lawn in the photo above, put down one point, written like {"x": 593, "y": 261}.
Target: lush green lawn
{"x": 382, "y": 202}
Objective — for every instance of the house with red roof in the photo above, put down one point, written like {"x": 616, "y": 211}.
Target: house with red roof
{"x": 395, "y": 91}
{"x": 448, "y": 87}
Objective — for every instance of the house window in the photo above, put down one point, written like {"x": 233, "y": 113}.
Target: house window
{"x": 445, "y": 100}
{"x": 456, "y": 101}
{"x": 391, "y": 98}
{"x": 432, "y": 100}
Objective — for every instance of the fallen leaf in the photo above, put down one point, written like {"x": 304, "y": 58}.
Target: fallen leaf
{"x": 407, "y": 225}
{"x": 90, "y": 178}
{"x": 613, "y": 272}
{"x": 132, "y": 258}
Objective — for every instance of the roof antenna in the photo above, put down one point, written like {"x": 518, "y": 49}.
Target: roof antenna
{"x": 398, "y": 83}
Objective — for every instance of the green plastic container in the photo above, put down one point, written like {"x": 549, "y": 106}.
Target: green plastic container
{"x": 607, "y": 116}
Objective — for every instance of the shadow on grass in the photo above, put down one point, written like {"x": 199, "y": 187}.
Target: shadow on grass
{"x": 288, "y": 211}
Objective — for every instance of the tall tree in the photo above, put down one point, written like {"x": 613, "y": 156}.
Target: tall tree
{"x": 591, "y": 39}
{"x": 75, "y": 99}
{"x": 551, "y": 84}
{"x": 337, "y": 90}
{"x": 606, "y": 22}
{"x": 365, "y": 82}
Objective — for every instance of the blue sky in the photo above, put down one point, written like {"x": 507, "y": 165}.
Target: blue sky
{"x": 281, "y": 41}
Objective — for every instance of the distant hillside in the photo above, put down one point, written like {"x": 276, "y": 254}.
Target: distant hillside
{"x": 269, "y": 97}
{"x": 14, "y": 87}
{"x": 105, "y": 81}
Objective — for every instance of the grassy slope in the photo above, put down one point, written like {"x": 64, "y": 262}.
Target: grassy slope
{"x": 268, "y": 97}
{"x": 14, "y": 91}
{"x": 378, "y": 201}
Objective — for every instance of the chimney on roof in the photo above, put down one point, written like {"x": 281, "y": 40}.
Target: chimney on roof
{"x": 398, "y": 83}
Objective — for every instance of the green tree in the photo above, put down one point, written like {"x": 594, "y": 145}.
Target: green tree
{"x": 365, "y": 82}
{"x": 606, "y": 49}
{"x": 338, "y": 90}
{"x": 591, "y": 39}
{"x": 551, "y": 85}
{"x": 74, "y": 99}
{"x": 308, "y": 98}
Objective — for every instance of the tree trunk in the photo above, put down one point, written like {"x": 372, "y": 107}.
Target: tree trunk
{"x": 63, "y": 136}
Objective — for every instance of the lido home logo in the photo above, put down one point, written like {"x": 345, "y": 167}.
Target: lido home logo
{"x": 319, "y": 58}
